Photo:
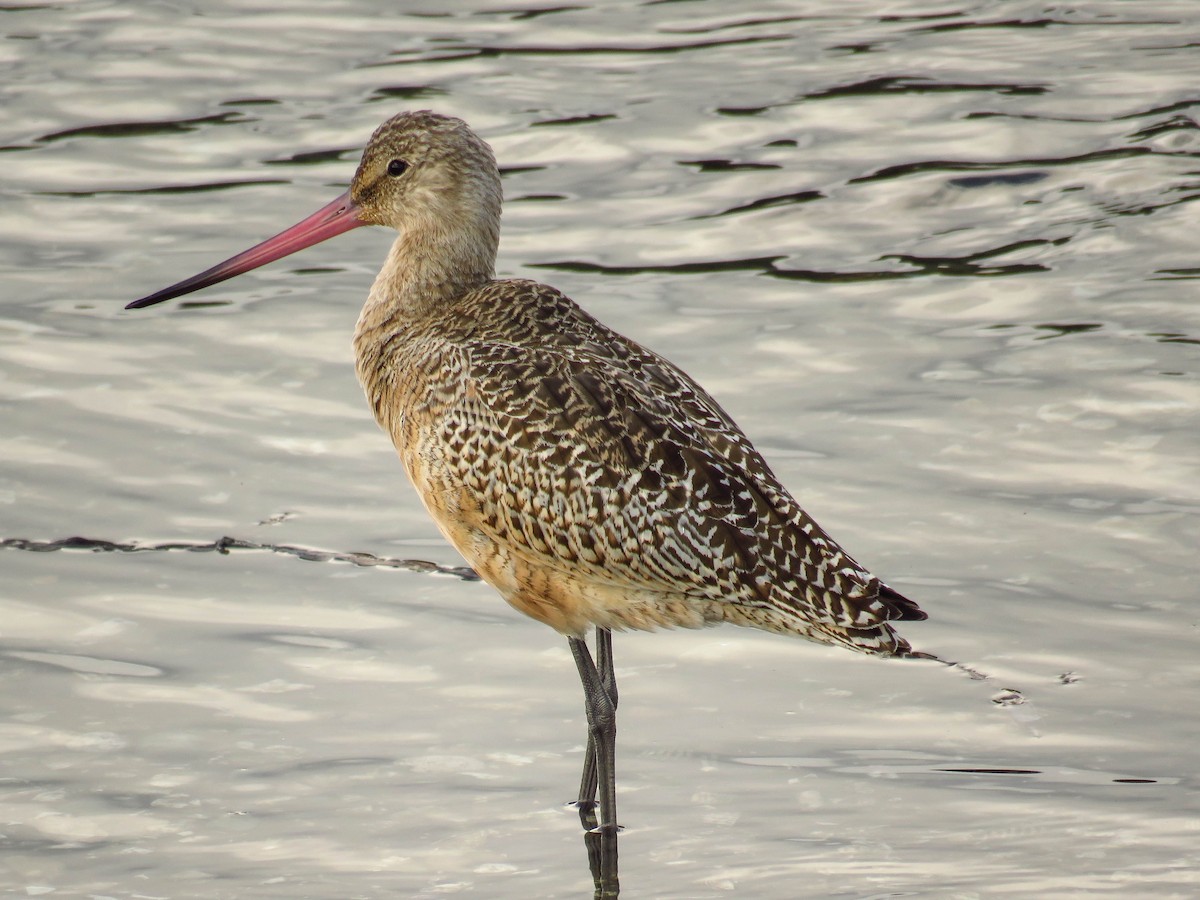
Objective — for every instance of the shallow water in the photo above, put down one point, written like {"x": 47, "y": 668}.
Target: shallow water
{"x": 939, "y": 264}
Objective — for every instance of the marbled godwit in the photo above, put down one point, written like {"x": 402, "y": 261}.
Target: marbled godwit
{"x": 587, "y": 479}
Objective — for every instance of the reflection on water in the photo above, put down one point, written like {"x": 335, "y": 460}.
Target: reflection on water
{"x": 939, "y": 265}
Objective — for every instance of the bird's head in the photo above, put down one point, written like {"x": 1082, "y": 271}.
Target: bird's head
{"x": 428, "y": 176}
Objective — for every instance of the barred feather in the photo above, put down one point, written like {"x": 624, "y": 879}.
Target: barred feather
{"x": 594, "y": 483}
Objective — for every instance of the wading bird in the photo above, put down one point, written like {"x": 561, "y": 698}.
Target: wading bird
{"x": 587, "y": 479}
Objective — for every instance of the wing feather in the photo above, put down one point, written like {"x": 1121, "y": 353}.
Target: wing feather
{"x": 621, "y": 466}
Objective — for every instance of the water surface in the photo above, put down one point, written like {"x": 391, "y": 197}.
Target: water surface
{"x": 939, "y": 264}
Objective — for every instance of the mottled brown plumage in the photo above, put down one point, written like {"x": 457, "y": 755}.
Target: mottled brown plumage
{"x": 587, "y": 479}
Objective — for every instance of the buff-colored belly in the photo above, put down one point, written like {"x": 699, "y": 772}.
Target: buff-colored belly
{"x": 543, "y": 587}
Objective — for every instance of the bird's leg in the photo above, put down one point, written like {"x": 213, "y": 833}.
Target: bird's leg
{"x": 608, "y": 678}
{"x": 604, "y": 664}
{"x": 586, "y": 802}
{"x": 600, "y": 697}
{"x": 599, "y": 771}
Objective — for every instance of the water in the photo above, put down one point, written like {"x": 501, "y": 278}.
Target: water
{"x": 939, "y": 264}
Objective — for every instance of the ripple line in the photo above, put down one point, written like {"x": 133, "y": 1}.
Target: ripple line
{"x": 226, "y": 545}
{"x": 916, "y": 266}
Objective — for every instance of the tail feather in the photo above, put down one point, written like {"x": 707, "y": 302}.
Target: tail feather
{"x": 899, "y": 606}
{"x": 903, "y": 609}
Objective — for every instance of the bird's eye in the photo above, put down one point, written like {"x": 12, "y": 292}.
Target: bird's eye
{"x": 397, "y": 167}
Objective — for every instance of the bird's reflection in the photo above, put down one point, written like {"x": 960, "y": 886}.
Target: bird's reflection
{"x": 601, "y": 844}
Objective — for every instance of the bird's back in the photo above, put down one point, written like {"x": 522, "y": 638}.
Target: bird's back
{"x": 594, "y": 483}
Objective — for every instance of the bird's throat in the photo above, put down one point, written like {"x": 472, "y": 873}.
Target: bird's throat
{"x": 428, "y": 269}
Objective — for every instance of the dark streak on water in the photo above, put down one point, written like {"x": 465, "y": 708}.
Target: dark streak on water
{"x": 590, "y": 119}
{"x": 315, "y": 157}
{"x": 169, "y": 189}
{"x": 950, "y": 165}
{"x": 726, "y": 165}
{"x": 919, "y": 85}
{"x": 227, "y": 545}
{"x": 765, "y": 203}
{"x": 144, "y": 129}
{"x": 964, "y": 266}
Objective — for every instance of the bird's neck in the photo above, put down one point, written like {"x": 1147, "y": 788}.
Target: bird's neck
{"x": 429, "y": 268}
{"x": 425, "y": 273}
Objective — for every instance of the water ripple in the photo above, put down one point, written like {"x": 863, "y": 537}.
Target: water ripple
{"x": 226, "y": 545}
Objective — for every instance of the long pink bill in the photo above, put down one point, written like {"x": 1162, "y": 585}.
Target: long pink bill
{"x": 330, "y": 220}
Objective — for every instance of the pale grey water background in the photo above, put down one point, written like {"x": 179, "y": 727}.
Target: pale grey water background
{"x": 940, "y": 262}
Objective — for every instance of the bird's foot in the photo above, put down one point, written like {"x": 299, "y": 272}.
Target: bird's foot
{"x": 606, "y": 829}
